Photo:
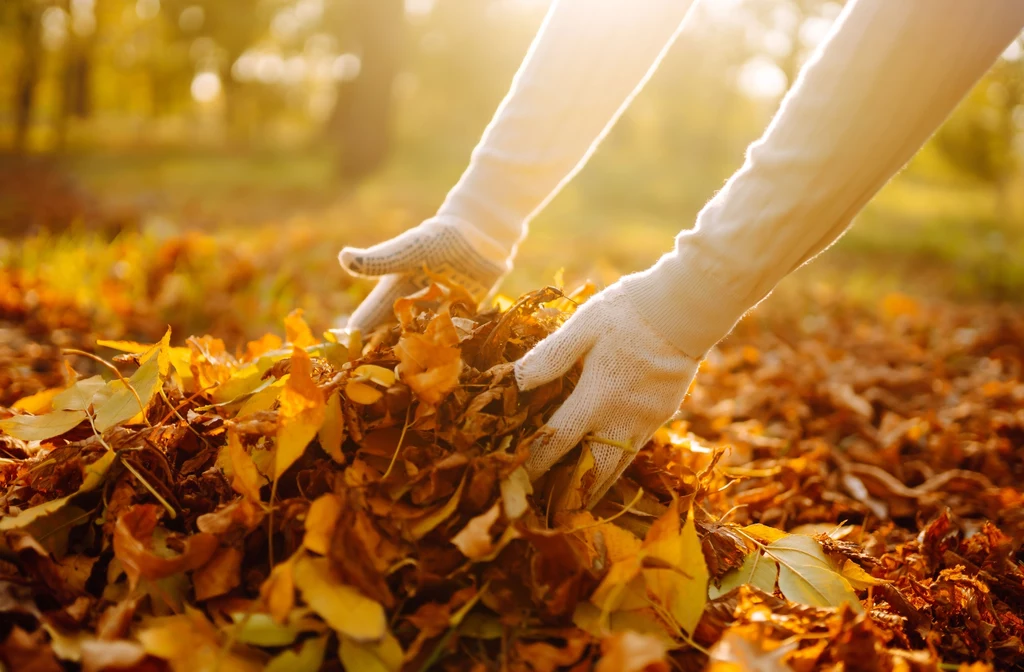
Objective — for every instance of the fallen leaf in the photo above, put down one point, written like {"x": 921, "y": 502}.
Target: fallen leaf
{"x": 683, "y": 589}
{"x": 123, "y": 404}
{"x": 474, "y": 540}
{"x": 320, "y": 521}
{"x": 757, "y": 570}
{"x": 301, "y": 414}
{"x": 41, "y": 427}
{"x": 430, "y": 363}
{"x": 342, "y": 607}
{"x": 95, "y": 473}
{"x": 309, "y": 657}
{"x": 246, "y": 479}
{"x": 133, "y": 547}
{"x": 806, "y": 575}
{"x": 332, "y": 431}
{"x": 221, "y": 574}
{"x": 515, "y": 489}
{"x": 296, "y": 330}
{"x": 383, "y": 656}
{"x": 631, "y": 651}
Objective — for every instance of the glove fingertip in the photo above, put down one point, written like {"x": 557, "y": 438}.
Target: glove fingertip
{"x": 352, "y": 259}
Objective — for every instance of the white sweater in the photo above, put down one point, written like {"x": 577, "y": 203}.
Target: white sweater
{"x": 884, "y": 79}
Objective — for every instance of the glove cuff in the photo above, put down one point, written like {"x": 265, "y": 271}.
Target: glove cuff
{"x": 687, "y": 301}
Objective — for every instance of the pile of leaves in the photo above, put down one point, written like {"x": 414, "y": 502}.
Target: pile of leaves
{"x": 842, "y": 496}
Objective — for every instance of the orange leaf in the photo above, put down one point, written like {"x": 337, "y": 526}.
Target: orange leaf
{"x": 320, "y": 521}
{"x": 631, "y": 651}
{"x": 301, "y": 413}
{"x": 297, "y": 331}
{"x": 430, "y": 363}
{"x": 278, "y": 591}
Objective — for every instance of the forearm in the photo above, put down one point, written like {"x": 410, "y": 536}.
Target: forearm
{"x": 885, "y": 79}
{"x": 586, "y": 63}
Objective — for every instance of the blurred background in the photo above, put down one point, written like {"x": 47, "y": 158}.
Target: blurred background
{"x": 200, "y": 162}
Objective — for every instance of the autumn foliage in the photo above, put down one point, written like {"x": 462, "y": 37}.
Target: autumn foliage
{"x": 844, "y": 496}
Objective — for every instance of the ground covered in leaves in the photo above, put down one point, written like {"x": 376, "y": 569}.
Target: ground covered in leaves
{"x": 839, "y": 492}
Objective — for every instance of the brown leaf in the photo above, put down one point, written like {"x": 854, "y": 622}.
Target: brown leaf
{"x": 133, "y": 547}
{"x": 220, "y": 575}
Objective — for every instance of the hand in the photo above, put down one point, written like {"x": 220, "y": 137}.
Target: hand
{"x": 449, "y": 249}
{"x": 633, "y": 380}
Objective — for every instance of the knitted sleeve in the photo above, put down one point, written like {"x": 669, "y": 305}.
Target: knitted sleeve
{"x": 586, "y": 63}
{"x": 885, "y": 78}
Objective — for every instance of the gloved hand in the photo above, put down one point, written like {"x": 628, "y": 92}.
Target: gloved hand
{"x": 633, "y": 380}
{"x": 445, "y": 247}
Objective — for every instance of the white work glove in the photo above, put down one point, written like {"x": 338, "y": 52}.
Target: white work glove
{"x": 633, "y": 380}
{"x": 442, "y": 247}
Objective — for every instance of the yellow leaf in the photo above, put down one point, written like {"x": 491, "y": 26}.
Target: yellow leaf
{"x": 246, "y": 479}
{"x": 858, "y": 578}
{"x": 576, "y": 494}
{"x": 430, "y": 363}
{"x": 297, "y": 331}
{"x": 309, "y": 658}
{"x": 278, "y": 591}
{"x": 806, "y": 575}
{"x": 222, "y": 573}
{"x": 764, "y": 533}
{"x": 123, "y": 404}
{"x": 262, "y": 400}
{"x": 320, "y": 522}
{"x": 40, "y": 402}
{"x": 332, "y": 431}
{"x": 361, "y": 393}
{"x": 345, "y": 609}
{"x": 683, "y": 589}
{"x": 383, "y": 656}
{"x": 377, "y": 374}
{"x": 301, "y": 413}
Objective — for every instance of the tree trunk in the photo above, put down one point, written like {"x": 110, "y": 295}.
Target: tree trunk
{"x": 361, "y": 123}
{"x": 27, "y": 18}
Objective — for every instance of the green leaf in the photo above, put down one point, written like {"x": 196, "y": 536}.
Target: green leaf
{"x": 122, "y": 405}
{"x": 383, "y": 656}
{"x": 94, "y": 475}
{"x": 308, "y": 658}
{"x": 79, "y": 396}
{"x": 756, "y": 570}
{"x": 41, "y": 427}
{"x": 806, "y": 575}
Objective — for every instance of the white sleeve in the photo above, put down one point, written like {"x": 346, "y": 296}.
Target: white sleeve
{"x": 885, "y": 78}
{"x": 585, "y": 64}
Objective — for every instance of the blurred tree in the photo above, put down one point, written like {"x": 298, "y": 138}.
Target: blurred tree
{"x": 360, "y": 125}
{"x": 26, "y": 20}
{"x": 980, "y": 138}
